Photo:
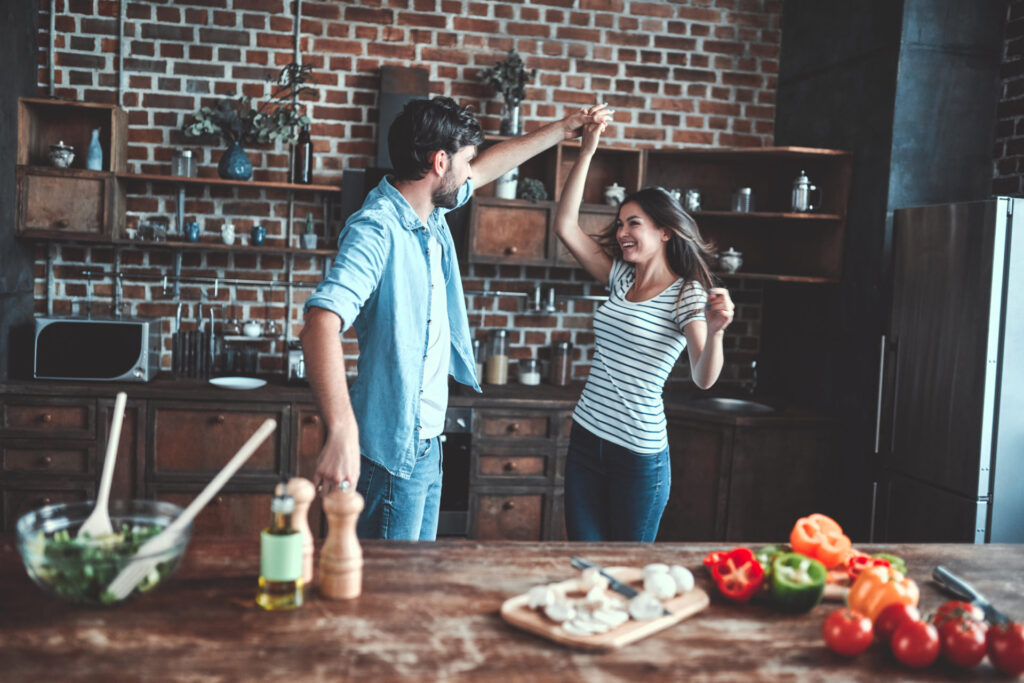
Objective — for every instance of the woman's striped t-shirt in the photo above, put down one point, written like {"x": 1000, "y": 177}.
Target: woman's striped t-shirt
{"x": 636, "y": 346}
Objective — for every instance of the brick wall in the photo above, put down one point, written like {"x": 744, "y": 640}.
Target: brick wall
{"x": 1009, "y": 146}
{"x": 699, "y": 72}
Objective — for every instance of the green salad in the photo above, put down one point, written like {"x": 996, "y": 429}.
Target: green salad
{"x": 81, "y": 569}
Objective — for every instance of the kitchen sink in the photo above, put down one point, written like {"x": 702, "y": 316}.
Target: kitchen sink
{"x": 736, "y": 406}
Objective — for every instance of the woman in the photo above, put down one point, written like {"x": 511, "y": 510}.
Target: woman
{"x": 661, "y": 300}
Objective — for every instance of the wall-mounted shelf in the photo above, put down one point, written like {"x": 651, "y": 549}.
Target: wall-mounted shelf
{"x": 101, "y": 240}
{"x": 215, "y": 182}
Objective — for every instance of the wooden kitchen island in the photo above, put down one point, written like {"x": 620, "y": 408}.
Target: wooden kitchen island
{"x": 430, "y": 611}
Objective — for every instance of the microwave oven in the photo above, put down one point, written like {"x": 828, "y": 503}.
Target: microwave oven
{"x": 98, "y": 349}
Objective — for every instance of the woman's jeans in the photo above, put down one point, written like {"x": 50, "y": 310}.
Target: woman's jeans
{"x": 402, "y": 509}
{"x": 613, "y": 493}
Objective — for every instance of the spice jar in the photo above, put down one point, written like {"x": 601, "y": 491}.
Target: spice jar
{"x": 529, "y": 372}
{"x": 478, "y": 358}
{"x": 561, "y": 364}
{"x": 497, "y": 361}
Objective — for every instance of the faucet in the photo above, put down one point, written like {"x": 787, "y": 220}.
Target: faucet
{"x": 751, "y": 385}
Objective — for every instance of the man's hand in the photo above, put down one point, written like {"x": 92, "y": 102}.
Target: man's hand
{"x": 339, "y": 461}
{"x": 572, "y": 125}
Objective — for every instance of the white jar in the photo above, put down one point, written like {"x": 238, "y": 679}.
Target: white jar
{"x": 227, "y": 233}
{"x": 614, "y": 194}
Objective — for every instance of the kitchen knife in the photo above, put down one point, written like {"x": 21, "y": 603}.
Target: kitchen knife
{"x": 613, "y": 583}
{"x": 961, "y": 589}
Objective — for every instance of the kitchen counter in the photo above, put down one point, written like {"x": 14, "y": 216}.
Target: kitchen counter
{"x": 431, "y": 611}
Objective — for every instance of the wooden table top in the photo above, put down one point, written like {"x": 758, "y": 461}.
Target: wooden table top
{"x": 430, "y": 610}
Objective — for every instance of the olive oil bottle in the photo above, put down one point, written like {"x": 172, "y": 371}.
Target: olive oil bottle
{"x": 281, "y": 586}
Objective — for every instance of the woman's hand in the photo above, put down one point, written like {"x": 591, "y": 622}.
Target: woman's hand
{"x": 592, "y": 131}
{"x": 719, "y": 310}
{"x": 574, "y": 124}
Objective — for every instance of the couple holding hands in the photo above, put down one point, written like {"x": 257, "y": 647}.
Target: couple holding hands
{"x": 396, "y": 280}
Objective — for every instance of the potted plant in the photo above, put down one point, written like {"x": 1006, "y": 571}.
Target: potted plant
{"x": 509, "y": 78}
{"x": 239, "y": 121}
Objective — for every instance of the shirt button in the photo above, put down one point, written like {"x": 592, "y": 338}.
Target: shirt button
{"x": 428, "y": 250}
{"x": 424, "y": 357}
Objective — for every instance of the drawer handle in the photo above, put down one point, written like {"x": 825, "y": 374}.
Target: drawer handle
{"x": 510, "y": 466}
{"x": 508, "y": 505}
{"x": 46, "y": 418}
{"x": 220, "y": 419}
{"x": 61, "y": 223}
{"x": 47, "y": 461}
{"x": 39, "y": 502}
{"x": 313, "y": 420}
{"x": 514, "y": 427}
{"x": 219, "y": 500}
{"x": 511, "y": 251}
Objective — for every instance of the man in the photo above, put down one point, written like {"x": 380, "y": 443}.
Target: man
{"x": 396, "y": 279}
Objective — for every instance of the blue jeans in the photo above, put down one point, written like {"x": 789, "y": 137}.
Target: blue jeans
{"x": 402, "y": 509}
{"x": 611, "y": 492}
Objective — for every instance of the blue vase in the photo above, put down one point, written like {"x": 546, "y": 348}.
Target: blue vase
{"x": 94, "y": 160}
{"x": 258, "y": 235}
{"x": 235, "y": 164}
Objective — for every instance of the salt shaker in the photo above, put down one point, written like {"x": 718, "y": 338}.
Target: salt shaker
{"x": 341, "y": 560}
{"x": 303, "y": 492}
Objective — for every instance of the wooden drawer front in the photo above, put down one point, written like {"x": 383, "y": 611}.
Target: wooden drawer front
{"x": 203, "y": 440}
{"x": 59, "y": 420}
{"x": 48, "y": 460}
{"x": 513, "y": 517}
{"x": 511, "y": 466}
{"x": 593, "y": 224}
{"x": 509, "y": 233}
{"x": 18, "y": 501}
{"x": 309, "y": 439}
{"x": 76, "y": 203}
{"x": 512, "y": 425}
{"x": 228, "y": 514}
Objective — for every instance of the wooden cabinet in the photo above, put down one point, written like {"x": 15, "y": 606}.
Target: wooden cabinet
{"x": 230, "y": 513}
{"x": 309, "y": 436}
{"x": 747, "y": 480}
{"x": 515, "y": 490}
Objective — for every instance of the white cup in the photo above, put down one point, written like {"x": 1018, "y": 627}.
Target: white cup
{"x": 227, "y": 233}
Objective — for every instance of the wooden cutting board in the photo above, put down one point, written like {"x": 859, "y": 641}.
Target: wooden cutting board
{"x": 517, "y": 612}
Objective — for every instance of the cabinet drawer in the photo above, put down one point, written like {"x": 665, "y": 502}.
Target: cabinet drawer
{"x": 18, "y": 501}
{"x": 309, "y": 439}
{"x": 56, "y": 419}
{"x": 511, "y": 425}
{"x": 228, "y": 514}
{"x": 510, "y": 466}
{"x": 72, "y": 202}
{"x": 202, "y": 440}
{"x": 508, "y": 517}
{"x": 48, "y": 460}
{"x": 508, "y": 233}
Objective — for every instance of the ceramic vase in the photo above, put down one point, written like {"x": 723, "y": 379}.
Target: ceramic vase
{"x": 235, "y": 164}
{"x": 507, "y": 184}
{"x": 510, "y": 121}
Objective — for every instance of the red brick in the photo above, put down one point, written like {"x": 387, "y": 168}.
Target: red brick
{"x": 602, "y": 5}
{"x": 742, "y": 79}
{"x": 420, "y": 19}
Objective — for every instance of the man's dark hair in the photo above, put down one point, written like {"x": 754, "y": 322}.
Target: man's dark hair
{"x": 426, "y": 126}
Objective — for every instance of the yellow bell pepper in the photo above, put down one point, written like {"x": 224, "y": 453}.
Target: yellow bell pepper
{"x": 878, "y": 587}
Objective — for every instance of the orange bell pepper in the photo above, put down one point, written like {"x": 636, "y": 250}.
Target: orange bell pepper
{"x": 820, "y": 537}
{"x": 878, "y": 587}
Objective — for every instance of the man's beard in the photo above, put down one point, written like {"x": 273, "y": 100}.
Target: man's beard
{"x": 447, "y": 196}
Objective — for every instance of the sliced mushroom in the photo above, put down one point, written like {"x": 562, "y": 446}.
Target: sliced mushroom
{"x": 645, "y": 607}
{"x": 660, "y": 585}
{"x": 683, "y": 578}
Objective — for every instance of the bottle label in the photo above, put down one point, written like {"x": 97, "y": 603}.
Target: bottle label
{"x": 281, "y": 556}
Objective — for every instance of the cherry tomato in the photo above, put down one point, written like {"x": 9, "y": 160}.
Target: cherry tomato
{"x": 963, "y": 642}
{"x": 1006, "y": 647}
{"x": 957, "y": 609}
{"x": 846, "y": 632}
{"x": 916, "y": 644}
{"x": 890, "y": 618}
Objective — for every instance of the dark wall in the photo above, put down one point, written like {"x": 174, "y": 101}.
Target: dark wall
{"x": 19, "y": 33}
{"x": 910, "y": 88}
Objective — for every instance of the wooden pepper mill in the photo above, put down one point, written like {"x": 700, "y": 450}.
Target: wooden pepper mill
{"x": 341, "y": 560}
{"x": 303, "y": 492}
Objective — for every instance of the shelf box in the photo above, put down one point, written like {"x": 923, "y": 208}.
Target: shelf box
{"x": 43, "y": 122}
{"x": 622, "y": 165}
{"x": 509, "y": 231}
{"x": 68, "y": 203}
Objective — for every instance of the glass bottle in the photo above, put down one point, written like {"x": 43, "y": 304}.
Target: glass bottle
{"x": 280, "y": 584}
{"x": 561, "y": 364}
{"x": 497, "y": 361}
{"x": 303, "y": 172}
{"x": 478, "y": 358}
{"x": 94, "y": 158}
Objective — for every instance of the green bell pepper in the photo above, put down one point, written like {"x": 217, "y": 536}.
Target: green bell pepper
{"x": 798, "y": 582}
{"x": 896, "y": 562}
{"x": 766, "y": 556}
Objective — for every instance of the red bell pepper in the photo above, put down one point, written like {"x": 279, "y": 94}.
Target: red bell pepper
{"x": 713, "y": 558}
{"x": 858, "y": 563}
{"x": 738, "y": 574}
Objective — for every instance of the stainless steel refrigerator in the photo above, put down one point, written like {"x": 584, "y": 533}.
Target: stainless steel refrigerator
{"x": 950, "y": 433}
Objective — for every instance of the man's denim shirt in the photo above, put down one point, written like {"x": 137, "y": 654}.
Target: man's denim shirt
{"x": 380, "y": 282}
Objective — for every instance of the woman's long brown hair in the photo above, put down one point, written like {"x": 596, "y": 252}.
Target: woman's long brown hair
{"x": 688, "y": 254}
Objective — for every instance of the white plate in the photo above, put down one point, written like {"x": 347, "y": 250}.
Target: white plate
{"x": 238, "y": 382}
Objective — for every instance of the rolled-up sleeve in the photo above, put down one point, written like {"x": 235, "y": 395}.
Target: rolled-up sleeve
{"x": 363, "y": 251}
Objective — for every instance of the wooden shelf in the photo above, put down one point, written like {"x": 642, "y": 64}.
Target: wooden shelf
{"x": 740, "y": 275}
{"x": 182, "y": 180}
{"x": 247, "y": 338}
{"x": 102, "y": 240}
{"x": 768, "y": 215}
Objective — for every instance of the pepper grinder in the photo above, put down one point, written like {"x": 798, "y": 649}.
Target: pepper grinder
{"x": 303, "y": 492}
{"x": 341, "y": 560}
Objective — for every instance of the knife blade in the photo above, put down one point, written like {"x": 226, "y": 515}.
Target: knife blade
{"x": 613, "y": 583}
{"x": 961, "y": 589}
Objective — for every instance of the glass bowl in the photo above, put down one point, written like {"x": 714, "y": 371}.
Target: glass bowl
{"x": 80, "y": 570}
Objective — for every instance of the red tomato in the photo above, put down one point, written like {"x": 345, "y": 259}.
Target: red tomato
{"x": 1006, "y": 647}
{"x": 916, "y": 644}
{"x": 957, "y": 609}
{"x": 846, "y": 632}
{"x": 963, "y": 642}
{"x": 890, "y": 618}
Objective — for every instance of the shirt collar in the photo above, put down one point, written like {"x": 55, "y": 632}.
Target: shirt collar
{"x": 406, "y": 216}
